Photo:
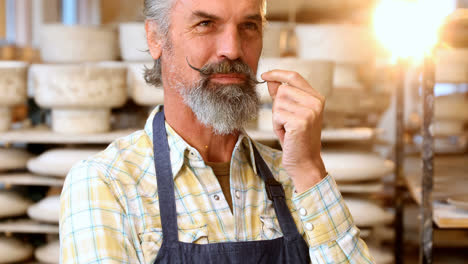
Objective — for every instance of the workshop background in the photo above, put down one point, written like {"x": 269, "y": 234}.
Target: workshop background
{"x": 395, "y": 137}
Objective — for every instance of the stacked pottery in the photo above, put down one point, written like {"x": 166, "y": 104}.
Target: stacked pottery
{"x": 351, "y": 48}
{"x": 318, "y": 73}
{"x": 14, "y": 250}
{"x": 81, "y": 95}
{"x": 65, "y": 44}
{"x": 58, "y": 162}
{"x": 359, "y": 174}
{"x": 13, "y": 90}
{"x": 49, "y": 252}
{"x": 133, "y": 45}
{"x": 12, "y": 203}
{"x": 134, "y": 50}
{"x": 46, "y": 210}
{"x": 82, "y": 89}
{"x": 141, "y": 92}
{"x": 450, "y": 111}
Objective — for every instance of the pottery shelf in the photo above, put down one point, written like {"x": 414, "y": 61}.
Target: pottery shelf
{"x": 27, "y": 226}
{"x": 450, "y": 179}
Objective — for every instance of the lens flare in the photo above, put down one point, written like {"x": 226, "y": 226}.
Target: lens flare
{"x": 409, "y": 28}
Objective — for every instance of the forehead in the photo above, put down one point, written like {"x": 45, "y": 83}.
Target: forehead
{"x": 221, "y": 8}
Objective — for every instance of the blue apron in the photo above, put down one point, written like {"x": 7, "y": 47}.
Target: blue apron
{"x": 291, "y": 248}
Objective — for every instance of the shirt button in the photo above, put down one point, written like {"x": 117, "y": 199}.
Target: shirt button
{"x": 238, "y": 195}
{"x": 309, "y": 226}
{"x": 216, "y": 197}
{"x": 303, "y": 211}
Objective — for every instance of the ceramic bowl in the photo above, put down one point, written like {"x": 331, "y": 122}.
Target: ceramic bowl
{"x": 133, "y": 45}
{"x": 80, "y": 95}
{"x": 141, "y": 92}
{"x": 73, "y": 44}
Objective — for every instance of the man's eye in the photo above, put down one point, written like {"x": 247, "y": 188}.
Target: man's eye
{"x": 205, "y": 23}
{"x": 250, "y": 26}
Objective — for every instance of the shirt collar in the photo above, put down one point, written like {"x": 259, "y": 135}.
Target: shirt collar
{"x": 181, "y": 151}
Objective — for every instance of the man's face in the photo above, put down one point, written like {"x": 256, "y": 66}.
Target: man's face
{"x": 215, "y": 33}
{"x": 210, "y": 31}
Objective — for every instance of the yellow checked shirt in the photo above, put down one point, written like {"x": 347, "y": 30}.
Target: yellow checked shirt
{"x": 110, "y": 210}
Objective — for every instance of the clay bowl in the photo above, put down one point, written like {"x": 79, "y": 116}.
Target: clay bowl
{"x": 80, "y": 95}
{"x": 133, "y": 45}
{"x": 72, "y": 44}
{"x": 141, "y": 92}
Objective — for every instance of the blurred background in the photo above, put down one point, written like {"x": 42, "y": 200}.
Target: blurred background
{"x": 71, "y": 82}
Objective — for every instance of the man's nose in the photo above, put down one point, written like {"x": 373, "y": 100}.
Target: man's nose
{"x": 229, "y": 44}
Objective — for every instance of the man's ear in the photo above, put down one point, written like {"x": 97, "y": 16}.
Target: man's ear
{"x": 153, "y": 38}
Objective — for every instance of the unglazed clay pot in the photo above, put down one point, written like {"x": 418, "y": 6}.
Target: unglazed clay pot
{"x": 71, "y": 44}
{"x": 13, "y": 159}
{"x": 452, "y": 107}
{"x": 13, "y": 204}
{"x": 356, "y": 166}
{"x": 319, "y": 74}
{"x": 366, "y": 213}
{"x": 272, "y": 38}
{"x": 141, "y": 92}
{"x": 58, "y": 162}
{"x": 46, "y": 210}
{"x": 133, "y": 45}
{"x": 447, "y": 128}
{"x": 13, "y": 250}
{"x": 13, "y": 89}
{"x": 335, "y": 42}
{"x": 48, "y": 253}
{"x": 451, "y": 65}
{"x": 346, "y": 45}
{"x": 81, "y": 96}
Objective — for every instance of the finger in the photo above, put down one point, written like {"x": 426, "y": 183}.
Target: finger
{"x": 280, "y": 119}
{"x": 273, "y": 88}
{"x": 303, "y": 117}
{"x": 289, "y": 77}
{"x": 287, "y": 92}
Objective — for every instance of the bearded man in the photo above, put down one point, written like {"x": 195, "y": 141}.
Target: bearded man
{"x": 192, "y": 187}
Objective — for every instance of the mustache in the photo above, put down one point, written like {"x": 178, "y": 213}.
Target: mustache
{"x": 226, "y": 67}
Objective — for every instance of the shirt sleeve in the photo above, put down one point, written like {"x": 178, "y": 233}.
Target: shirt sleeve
{"x": 328, "y": 225}
{"x": 93, "y": 226}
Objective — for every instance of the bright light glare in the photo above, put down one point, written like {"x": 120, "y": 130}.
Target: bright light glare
{"x": 409, "y": 28}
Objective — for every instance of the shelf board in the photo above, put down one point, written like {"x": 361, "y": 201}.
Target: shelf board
{"x": 328, "y": 135}
{"x": 29, "y": 179}
{"x": 27, "y": 226}
{"x": 449, "y": 179}
{"x": 43, "y": 135}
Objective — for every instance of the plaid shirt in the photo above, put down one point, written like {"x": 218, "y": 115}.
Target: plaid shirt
{"x": 110, "y": 211}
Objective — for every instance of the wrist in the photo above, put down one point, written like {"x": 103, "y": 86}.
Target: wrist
{"x": 306, "y": 176}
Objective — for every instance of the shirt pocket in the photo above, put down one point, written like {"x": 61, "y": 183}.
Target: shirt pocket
{"x": 270, "y": 227}
{"x": 152, "y": 238}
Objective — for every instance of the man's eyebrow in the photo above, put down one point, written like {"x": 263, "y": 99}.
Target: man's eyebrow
{"x": 255, "y": 17}
{"x": 202, "y": 14}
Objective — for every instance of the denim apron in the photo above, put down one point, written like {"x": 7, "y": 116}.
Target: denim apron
{"x": 291, "y": 248}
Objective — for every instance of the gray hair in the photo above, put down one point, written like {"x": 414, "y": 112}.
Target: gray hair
{"x": 159, "y": 11}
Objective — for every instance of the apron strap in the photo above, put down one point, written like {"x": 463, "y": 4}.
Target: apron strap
{"x": 165, "y": 180}
{"x": 275, "y": 193}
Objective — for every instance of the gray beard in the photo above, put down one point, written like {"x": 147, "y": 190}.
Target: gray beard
{"x": 224, "y": 108}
